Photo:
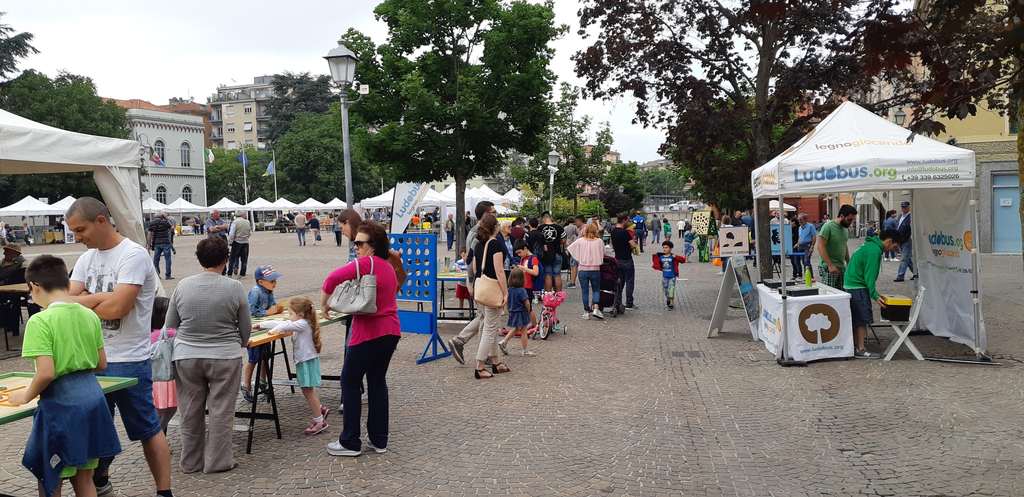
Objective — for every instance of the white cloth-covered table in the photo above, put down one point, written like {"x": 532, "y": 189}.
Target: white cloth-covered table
{"x": 817, "y": 326}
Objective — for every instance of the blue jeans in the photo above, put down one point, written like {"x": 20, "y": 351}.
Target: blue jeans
{"x": 808, "y": 250}
{"x": 590, "y": 287}
{"x": 906, "y": 252}
{"x": 135, "y": 404}
{"x": 301, "y": 232}
{"x": 162, "y": 249}
{"x": 450, "y": 235}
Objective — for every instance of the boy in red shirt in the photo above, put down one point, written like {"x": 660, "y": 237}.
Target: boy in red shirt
{"x": 668, "y": 264}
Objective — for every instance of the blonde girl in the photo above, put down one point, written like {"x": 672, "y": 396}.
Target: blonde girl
{"x": 305, "y": 330}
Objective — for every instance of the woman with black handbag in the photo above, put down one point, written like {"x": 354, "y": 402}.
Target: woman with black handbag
{"x": 490, "y": 290}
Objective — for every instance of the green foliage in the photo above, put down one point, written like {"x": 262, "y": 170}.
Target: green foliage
{"x": 622, "y": 189}
{"x": 224, "y": 176}
{"x": 295, "y": 94}
{"x": 534, "y": 205}
{"x": 67, "y": 102}
{"x": 457, "y": 86}
{"x": 13, "y": 47}
{"x": 667, "y": 181}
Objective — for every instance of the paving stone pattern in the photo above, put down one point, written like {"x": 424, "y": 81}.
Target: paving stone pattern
{"x": 639, "y": 405}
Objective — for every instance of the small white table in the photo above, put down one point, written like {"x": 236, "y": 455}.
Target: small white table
{"x": 817, "y": 326}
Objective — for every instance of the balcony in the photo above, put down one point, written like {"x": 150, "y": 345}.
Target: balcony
{"x": 215, "y": 117}
{"x": 262, "y": 116}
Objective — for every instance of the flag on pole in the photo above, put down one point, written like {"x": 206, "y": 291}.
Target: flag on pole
{"x": 270, "y": 169}
{"x": 209, "y": 156}
{"x": 243, "y": 159}
{"x": 156, "y": 159}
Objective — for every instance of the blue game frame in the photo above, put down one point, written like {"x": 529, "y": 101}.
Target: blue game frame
{"x": 419, "y": 259}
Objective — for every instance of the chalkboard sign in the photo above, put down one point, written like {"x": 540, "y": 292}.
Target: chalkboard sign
{"x": 737, "y": 276}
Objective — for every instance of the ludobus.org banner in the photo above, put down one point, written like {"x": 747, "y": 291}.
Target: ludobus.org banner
{"x": 942, "y": 244}
{"x": 407, "y": 197}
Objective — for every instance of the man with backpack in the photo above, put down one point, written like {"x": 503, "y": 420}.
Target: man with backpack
{"x": 552, "y": 241}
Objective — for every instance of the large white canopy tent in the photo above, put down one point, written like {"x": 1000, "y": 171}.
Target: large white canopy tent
{"x": 60, "y": 207}
{"x": 514, "y": 196}
{"x": 284, "y": 204}
{"x": 311, "y": 204}
{"x": 226, "y": 204}
{"x": 855, "y": 150}
{"x": 28, "y": 206}
{"x": 182, "y": 206}
{"x": 28, "y": 147}
{"x": 260, "y": 204}
{"x": 152, "y": 206}
{"x": 431, "y": 199}
{"x": 336, "y": 204}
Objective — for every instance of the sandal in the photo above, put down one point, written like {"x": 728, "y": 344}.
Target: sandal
{"x": 500, "y": 368}
{"x": 484, "y": 376}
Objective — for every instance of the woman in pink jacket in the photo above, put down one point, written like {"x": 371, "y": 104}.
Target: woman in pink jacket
{"x": 589, "y": 253}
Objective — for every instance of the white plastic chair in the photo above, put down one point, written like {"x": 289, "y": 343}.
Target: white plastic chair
{"x": 904, "y": 328}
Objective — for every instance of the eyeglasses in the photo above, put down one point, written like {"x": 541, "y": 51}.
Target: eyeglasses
{"x": 360, "y": 243}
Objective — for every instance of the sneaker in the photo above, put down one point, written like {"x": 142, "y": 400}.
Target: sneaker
{"x": 630, "y": 307}
{"x": 529, "y": 353}
{"x": 586, "y": 316}
{"x": 336, "y": 449}
{"x": 598, "y": 314}
{"x": 671, "y": 307}
{"x": 863, "y": 354}
{"x": 375, "y": 448}
{"x": 914, "y": 278}
{"x": 456, "y": 348}
{"x": 898, "y": 280}
{"x": 503, "y": 347}
{"x": 103, "y": 486}
{"x": 324, "y": 411}
{"x": 316, "y": 427}
{"x": 246, "y": 394}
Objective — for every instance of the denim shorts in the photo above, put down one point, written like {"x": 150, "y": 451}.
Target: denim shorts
{"x": 860, "y": 306}
{"x": 257, "y": 353}
{"x": 134, "y": 403}
{"x": 553, "y": 269}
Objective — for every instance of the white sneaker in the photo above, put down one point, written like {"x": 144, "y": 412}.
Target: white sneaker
{"x": 598, "y": 314}
{"x": 586, "y": 315}
{"x": 336, "y": 449}
{"x": 375, "y": 448}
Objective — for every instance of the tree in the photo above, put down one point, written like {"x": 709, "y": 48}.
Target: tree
{"x": 13, "y": 47}
{"x": 67, "y": 102}
{"x": 224, "y": 176}
{"x": 720, "y": 78}
{"x": 621, "y": 188}
{"x": 662, "y": 181}
{"x": 952, "y": 57}
{"x": 295, "y": 94}
{"x": 459, "y": 85}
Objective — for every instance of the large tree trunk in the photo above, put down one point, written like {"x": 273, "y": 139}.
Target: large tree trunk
{"x": 460, "y": 217}
{"x": 762, "y": 130}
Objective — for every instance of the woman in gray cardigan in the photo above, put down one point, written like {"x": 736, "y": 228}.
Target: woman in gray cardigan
{"x": 211, "y": 314}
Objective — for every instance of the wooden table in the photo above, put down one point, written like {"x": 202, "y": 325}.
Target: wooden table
{"x": 16, "y": 288}
{"x": 18, "y": 379}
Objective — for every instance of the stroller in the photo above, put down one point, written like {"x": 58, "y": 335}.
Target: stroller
{"x": 611, "y": 286}
{"x": 549, "y": 315}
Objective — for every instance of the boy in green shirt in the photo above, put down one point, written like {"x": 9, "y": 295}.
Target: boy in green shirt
{"x": 72, "y": 427}
{"x": 859, "y": 282}
{"x": 831, "y": 245}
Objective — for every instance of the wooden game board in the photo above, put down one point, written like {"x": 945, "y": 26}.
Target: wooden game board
{"x": 16, "y": 380}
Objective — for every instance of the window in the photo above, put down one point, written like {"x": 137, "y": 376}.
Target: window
{"x": 247, "y": 109}
{"x": 232, "y": 145}
{"x": 231, "y": 129}
{"x": 229, "y": 110}
{"x": 161, "y": 194}
{"x": 247, "y": 127}
{"x": 186, "y": 154}
{"x": 248, "y": 142}
{"x": 186, "y": 193}
{"x": 158, "y": 148}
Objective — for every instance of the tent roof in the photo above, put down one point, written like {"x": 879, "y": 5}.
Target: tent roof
{"x": 283, "y": 203}
{"x": 855, "y": 150}
{"x": 151, "y": 205}
{"x": 28, "y": 147}
{"x": 431, "y": 199}
{"x": 336, "y": 203}
{"x": 28, "y": 206}
{"x": 449, "y": 191}
{"x": 382, "y": 200}
{"x": 311, "y": 203}
{"x": 514, "y": 195}
{"x": 226, "y": 204}
{"x": 61, "y": 206}
{"x": 181, "y": 205}
{"x": 774, "y": 205}
{"x": 260, "y": 204}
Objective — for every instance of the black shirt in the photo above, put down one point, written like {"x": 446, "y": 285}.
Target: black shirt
{"x": 620, "y": 242}
{"x": 314, "y": 224}
{"x": 161, "y": 229}
{"x": 487, "y": 264}
{"x": 551, "y": 236}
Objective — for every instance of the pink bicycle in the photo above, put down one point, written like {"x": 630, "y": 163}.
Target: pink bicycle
{"x": 549, "y": 315}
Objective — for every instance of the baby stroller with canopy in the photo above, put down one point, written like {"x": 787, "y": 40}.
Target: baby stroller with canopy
{"x": 610, "y": 286}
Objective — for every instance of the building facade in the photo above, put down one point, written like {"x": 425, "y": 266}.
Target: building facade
{"x": 177, "y": 139}
{"x": 239, "y": 114}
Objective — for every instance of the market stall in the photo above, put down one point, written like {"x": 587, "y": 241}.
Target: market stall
{"x": 854, "y": 150}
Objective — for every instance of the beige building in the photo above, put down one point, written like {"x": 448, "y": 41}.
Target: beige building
{"x": 239, "y": 114}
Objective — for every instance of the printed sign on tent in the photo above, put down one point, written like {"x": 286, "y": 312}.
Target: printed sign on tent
{"x": 407, "y": 197}
{"x": 733, "y": 241}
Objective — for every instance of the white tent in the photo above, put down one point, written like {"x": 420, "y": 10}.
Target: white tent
{"x": 336, "y": 203}
{"x": 260, "y": 204}
{"x": 28, "y": 147}
{"x": 435, "y": 199}
{"x": 152, "y": 205}
{"x": 182, "y": 206}
{"x": 60, "y": 207}
{"x": 382, "y": 200}
{"x": 311, "y": 204}
{"x": 485, "y": 192}
{"x": 774, "y": 205}
{"x": 226, "y": 204}
{"x": 28, "y": 206}
{"x": 449, "y": 191}
{"x": 514, "y": 196}
{"x": 855, "y": 150}
{"x": 431, "y": 199}
{"x": 283, "y": 204}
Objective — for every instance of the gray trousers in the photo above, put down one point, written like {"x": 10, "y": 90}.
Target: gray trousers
{"x": 207, "y": 384}
{"x": 489, "y": 328}
{"x": 471, "y": 328}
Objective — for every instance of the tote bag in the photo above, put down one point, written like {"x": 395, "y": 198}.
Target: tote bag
{"x": 358, "y": 296}
{"x": 486, "y": 290}
{"x": 160, "y": 357}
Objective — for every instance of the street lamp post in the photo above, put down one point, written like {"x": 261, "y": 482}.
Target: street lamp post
{"x": 342, "y": 62}
{"x": 553, "y": 160}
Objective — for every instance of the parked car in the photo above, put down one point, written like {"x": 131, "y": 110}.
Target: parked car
{"x": 686, "y": 206}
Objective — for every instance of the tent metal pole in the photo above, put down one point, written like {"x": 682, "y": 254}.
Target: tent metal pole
{"x": 759, "y": 279}
{"x": 979, "y": 353}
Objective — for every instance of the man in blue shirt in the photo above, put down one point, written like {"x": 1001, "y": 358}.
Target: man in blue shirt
{"x": 641, "y": 228}
{"x": 261, "y": 304}
{"x": 805, "y": 241}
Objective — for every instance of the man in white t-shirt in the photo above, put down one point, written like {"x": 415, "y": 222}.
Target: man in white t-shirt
{"x": 115, "y": 279}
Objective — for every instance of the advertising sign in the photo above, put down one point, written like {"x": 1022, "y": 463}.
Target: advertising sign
{"x": 407, "y": 198}
{"x": 733, "y": 241}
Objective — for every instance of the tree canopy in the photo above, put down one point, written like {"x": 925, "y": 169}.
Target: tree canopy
{"x": 295, "y": 94}
{"x": 13, "y": 46}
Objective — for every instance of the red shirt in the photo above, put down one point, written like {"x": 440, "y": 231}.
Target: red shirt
{"x": 530, "y": 262}
{"x": 367, "y": 327}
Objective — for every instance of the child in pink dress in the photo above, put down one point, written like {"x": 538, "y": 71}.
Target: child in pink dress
{"x": 165, "y": 394}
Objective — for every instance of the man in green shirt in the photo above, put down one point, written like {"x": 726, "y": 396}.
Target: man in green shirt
{"x": 859, "y": 282}
{"x": 831, "y": 245}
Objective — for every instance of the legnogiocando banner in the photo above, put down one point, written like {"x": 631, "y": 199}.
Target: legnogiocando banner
{"x": 943, "y": 243}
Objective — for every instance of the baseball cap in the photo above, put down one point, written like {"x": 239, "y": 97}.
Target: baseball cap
{"x": 266, "y": 273}
{"x": 904, "y": 204}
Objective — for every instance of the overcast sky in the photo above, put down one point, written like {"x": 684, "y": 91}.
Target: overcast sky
{"x": 158, "y": 50}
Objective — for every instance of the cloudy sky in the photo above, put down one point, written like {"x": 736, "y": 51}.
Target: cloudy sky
{"x": 163, "y": 49}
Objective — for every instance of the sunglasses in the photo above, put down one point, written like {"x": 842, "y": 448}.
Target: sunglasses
{"x": 360, "y": 243}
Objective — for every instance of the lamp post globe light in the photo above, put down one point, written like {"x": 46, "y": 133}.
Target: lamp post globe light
{"x": 342, "y": 62}
{"x": 553, "y": 160}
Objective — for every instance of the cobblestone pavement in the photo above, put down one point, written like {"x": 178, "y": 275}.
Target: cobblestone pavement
{"x": 640, "y": 405}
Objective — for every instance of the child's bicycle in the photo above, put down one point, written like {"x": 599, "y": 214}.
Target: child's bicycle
{"x": 549, "y": 315}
